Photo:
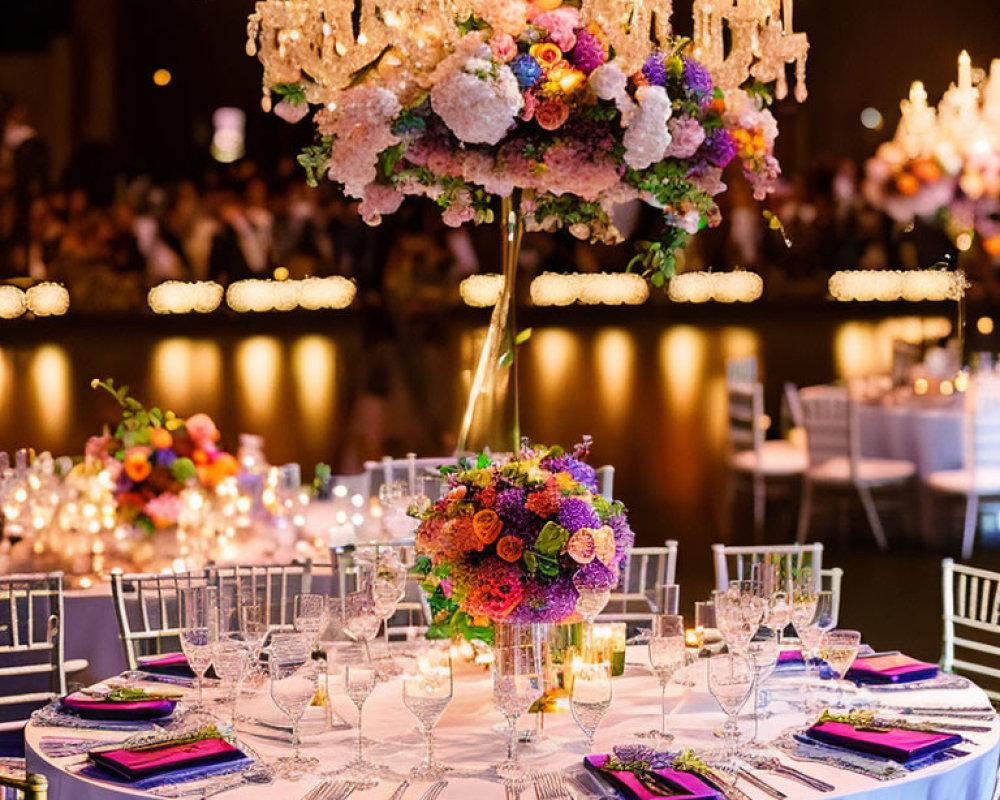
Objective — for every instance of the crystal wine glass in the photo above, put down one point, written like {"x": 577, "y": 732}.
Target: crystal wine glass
{"x": 388, "y": 589}
{"x": 763, "y": 653}
{"x": 427, "y": 690}
{"x": 739, "y": 611}
{"x": 838, "y": 649}
{"x": 231, "y": 658}
{"x": 730, "y": 679}
{"x": 518, "y": 681}
{"x": 199, "y": 617}
{"x": 667, "y": 654}
{"x": 309, "y": 614}
{"x": 294, "y": 678}
{"x": 590, "y": 697}
{"x": 361, "y": 620}
{"x": 811, "y": 635}
{"x": 359, "y": 683}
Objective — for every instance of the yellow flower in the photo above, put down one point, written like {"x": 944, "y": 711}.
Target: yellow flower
{"x": 546, "y": 54}
{"x": 564, "y": 79}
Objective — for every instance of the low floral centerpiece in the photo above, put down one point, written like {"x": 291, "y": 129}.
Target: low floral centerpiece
{"x": 153, "y": 455}
{"x": 518, "y": 540}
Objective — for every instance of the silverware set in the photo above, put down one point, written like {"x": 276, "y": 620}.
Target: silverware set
{"x": 774, "y": 765}
{"x": 434, "y": 791}
{"x": 551, "y": 786}
{"x": 330, "y": 790}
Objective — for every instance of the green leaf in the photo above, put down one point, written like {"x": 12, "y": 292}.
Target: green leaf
{"x": 548, "y": 565}
{"x": 388, "y": 159}
{"x": 523, "y": 336}
{"x": 183, "y": 469}
{"x": 439, "y": 630}
{"x": 552, "y": 538}
{"x": 422, "y": 565}
{"x": 462, "y": 623}
{"x": 530, "y": 561}
{"x": 294, "y": 93}
{"x": 472, "y": 23}
{"x": 506, "y": 358}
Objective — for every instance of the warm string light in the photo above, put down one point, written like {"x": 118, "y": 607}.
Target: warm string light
{"x": 335, "y": 292}
{"x": 179, "y": 297}
{"x": 868, "y": 285}
{"x": 722, "y": 287}
{"x": 13, "y": 303}
{"x": 47, "y": 300}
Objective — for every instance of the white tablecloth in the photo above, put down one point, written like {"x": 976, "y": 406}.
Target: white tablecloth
{"x": 468, "y": 739}
{"x": 929, "y": 437}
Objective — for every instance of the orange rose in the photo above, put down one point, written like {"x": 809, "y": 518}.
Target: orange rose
{"x": 510, "y": 548}
{"x": 926, "y": 170}
{"x": 487, "y": 525}
{"x": 546, "y": 54}
{"x": 992, "y": 245}
{"x": 552, "y": 113}
{"x": 160, "y": 438}
{"x": 137, "y": 465}
{"x": 907, "y": 184}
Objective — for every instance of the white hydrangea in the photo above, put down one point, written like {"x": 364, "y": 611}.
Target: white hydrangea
{"x": 362, "y": 125}
{"x": 478, "y": 102}
{"x": 608, "y": 82}
{"x": 646, "y": 139}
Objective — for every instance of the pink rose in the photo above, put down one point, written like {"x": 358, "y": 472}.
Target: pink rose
{"x": 202, "y": 431}
{"x": 291, "y": 112}
{"x": 503, "y": 46}
{"x": 552, "y": 114}
{"x": 530, "y": 104}
{"x": 560, "y": 24}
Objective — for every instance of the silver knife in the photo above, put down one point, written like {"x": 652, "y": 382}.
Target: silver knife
{"x": 753, "y": 780}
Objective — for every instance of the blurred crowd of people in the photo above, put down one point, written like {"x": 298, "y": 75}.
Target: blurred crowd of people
{"x": 240, "y": 221}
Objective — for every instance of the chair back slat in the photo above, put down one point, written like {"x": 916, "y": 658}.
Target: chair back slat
{"x": 402, "y": 469}
{"x": 606, "y": 482}
{"x": 643, "y": 573}
{"x": 971, "y": 603}
{"x": 826, "y": 418}
{"x": 792, "y": 558}
{"x": 745, "y": 409}
{"x": 276, "y": 584}
{"x": 32, "y": 619}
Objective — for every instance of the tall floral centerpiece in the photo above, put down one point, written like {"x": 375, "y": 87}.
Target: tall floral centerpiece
{"x": 519, "y": 540}
{"x": 561, "y": 109}
{"x": 943, "y": 163}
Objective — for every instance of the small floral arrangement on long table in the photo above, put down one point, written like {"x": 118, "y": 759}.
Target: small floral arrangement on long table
{"x": 153, "y": 455}
{"x": 531, "y": 96}
{"x": 517, "y": 540}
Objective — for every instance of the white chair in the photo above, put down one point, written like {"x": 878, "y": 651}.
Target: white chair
{"x": 606, "y": 482}
{"x": 31, "y": 641}
{"x": 971, "y": 603}
{"x": 835, "y": 461}
{"x": 148, "y": 611}
{"x": 980, "y": 476}
{"x": 643, "y": 573}
{"x": 830, "y": 580}
{"x": 792, "y": 557}
{"x": 272, "y": 585}
{"x": 750, "y": 453}
{"x": 411, "y": 470}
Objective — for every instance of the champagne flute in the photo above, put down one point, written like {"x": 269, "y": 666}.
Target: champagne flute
{"x": 667, "y": 654}
{"x": 590, "y": 697}
{"x": 294, "y": 678}
{"x": 730, "y": 679}
{"x": 427, "y": 690}
{"x": 518, "y": 681}
{"x": 199, "y": 616}
{"x": 838, "y": 649}
{"x": 359, "y": 683}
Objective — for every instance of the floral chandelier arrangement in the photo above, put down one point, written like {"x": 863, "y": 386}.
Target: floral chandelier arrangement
{"x": 569, "y": 108}
{"x": 944, "y": 163}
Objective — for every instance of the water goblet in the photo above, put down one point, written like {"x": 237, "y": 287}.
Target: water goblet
{"x": 590, "y": 697}
{"x": 294, "y": 678}
{"x": 763, "y": 653}
{"x": 388, "y": 589}
{"x": 361, "y": 621}
{"x": 838, "y": 649}
{"x": 730, "y": 679}
{"x": 309, "y": 615}
{"x": 518, "y": 681}
{"x": 231, "y": 659}
{"x": 427, "y": 690}
{"x": 811, "y": 635}
{"x": 359, "y": 683}
{"x": 667, "y": 654}
{"x": 199, "y": 618}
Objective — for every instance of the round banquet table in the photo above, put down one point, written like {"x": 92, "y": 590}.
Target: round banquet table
{"x": 468, "y": 739}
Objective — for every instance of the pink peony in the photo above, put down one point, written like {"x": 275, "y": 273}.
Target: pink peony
{"x": 291, "y": 112}
{"x": 362, "y": 127}
{"x": 202, "y": 431}
{"x": 530, "y": 104}
{"x": 163, "y": 509}
{"x": 379, "y": 199}
{"x": 503, "y": 47}
{"x": 560, "y": 23}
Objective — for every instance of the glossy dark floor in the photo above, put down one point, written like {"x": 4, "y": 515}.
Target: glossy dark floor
{"x": 647, "y": 384}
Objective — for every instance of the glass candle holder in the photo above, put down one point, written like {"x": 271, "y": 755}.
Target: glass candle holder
{"x": 608, "y": 644}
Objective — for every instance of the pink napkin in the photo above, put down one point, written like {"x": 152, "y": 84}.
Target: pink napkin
{"x": 891, "y": 668}
{"x": 895, "y": 743}
{"x": 95, "y": 708}
{"x": 144, "y": 762}
{"x": 688, "y": 784}
{"x": 167, "y": 664}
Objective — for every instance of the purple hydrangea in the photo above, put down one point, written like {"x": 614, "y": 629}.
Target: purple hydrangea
{"x": 165, "y": 457}
{"x": 697, "y": 79}
{"x": 545, "y": 603}
{"x": 589, "y": 53}
{"x": 575, "y": 513}
{"x": 595, "y": 576}
{"x": 719, "y": 148}
{"x": 654, "y": 71}
{"x": 510, "y": 507}
{"x": 624, "y": 536}
{"x": 580, "y": 471}
{"x": 527, "y": 70}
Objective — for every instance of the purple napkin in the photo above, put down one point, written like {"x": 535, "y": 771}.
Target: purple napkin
{"x": 891, "y": 668}
{"x": 167, "y": 664}
{"x": 686, "y": 784}
{"x": 146, "y": 762}
{"x": 791, "y": 658}
{"x": 895, "y": 743}
{"x": 94, "y": 708}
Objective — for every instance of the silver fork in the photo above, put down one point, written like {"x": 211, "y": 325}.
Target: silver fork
{"x": 345, "y": 791}
{"x": 400, "y": 791}
{"x": 434, "y": 790}
{"x": 551, "y": 786}
{"x": 314, "y": 791}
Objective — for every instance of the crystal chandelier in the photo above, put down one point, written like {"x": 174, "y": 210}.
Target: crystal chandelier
{"x": 326, "y": 46}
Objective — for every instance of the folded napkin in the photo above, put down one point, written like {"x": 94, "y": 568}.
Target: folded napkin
{"x": 97, "y": 708}
{"x": 890, "y": 668}
{"x": 791, "y": 658}
{"x": 684, "y": 784}
{"x": 133, "y": 764}
{"x": 894, "y": 743}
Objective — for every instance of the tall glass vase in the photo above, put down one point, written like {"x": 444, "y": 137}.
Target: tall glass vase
{"x": 491, "y": 413}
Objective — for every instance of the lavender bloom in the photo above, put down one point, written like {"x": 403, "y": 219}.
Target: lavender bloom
{"x": 580, "y": 471}
{"x": 576, "y": 513}
{"x": 697, "y": 79}
{"x": 589, "y": 53}
{"x": 654, "y": 71}
{"x": 719, "y": 148}
{"x": 595, "y": 576}
{"x": 540, "y": 603}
